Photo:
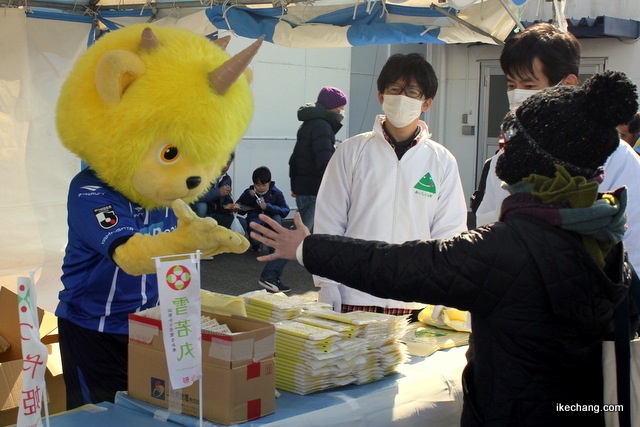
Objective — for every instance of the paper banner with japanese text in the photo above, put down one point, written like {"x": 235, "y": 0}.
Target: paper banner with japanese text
{"x": 179, "y": 291}
{"x": 34, "y": 357}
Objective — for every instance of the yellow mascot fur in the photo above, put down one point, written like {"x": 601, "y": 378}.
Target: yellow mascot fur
{"x": 155, "y": 112}
{"x": 147, "y": 120}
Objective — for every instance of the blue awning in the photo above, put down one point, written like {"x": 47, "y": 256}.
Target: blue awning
{"x": 600, "y": 26}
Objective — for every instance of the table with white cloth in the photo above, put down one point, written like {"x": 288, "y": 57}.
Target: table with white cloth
{"x": 427, "y": 391}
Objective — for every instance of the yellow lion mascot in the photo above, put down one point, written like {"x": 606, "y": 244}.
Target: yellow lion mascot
{"x": 155, "y": 113}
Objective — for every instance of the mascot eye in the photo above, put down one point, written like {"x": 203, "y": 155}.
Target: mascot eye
{"x": 169, "y": 154}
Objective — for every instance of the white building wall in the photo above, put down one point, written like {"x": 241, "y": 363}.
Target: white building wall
{"x": 284, "y": 80}
{"x": 459, "y": 67}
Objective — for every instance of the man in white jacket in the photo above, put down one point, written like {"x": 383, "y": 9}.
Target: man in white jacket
{"x": 544, "y": 56}
{"x": 392, "y": 184}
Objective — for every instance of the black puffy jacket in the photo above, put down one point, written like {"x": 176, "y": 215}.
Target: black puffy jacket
{"x": 540, "y": 307}
{"x": 314, "y": 147}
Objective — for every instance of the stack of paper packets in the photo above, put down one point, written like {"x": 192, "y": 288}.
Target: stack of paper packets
{"x": 382, "y": 333}
{"x": 317, "y": 348}
{"x": 367, "y": 367}
{"x": 311, "y": 358}
{"x": 378, "y": 329}
{"x": 275, "y": 308}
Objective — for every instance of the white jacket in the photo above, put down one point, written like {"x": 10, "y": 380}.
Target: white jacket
{"x": 367, "y": 193}
{"x": 489, "y": 209}
{"x": 622, "y": 168}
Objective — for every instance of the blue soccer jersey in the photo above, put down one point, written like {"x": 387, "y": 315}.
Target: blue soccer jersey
{"x": 97, "y": 293}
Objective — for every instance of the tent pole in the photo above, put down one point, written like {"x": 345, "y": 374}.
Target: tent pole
{"x": 513, "y": 15}
{"x": 466, "y": 24}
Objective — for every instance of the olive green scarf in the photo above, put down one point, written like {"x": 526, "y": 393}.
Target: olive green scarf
{"x": 573, "y": 204}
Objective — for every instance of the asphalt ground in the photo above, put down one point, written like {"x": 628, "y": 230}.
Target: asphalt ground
{"x": 235, "y": 274}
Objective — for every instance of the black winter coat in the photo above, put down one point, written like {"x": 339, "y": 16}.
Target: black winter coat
{"x": 314, "y": 147}
{"x": 540, "y": 307}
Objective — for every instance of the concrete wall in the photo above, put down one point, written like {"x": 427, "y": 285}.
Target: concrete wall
{"x": 284, "y": 80}
{"x": 460, "y": 66}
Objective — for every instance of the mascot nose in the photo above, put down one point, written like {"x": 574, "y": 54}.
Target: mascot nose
{"x": 193, "y": 182}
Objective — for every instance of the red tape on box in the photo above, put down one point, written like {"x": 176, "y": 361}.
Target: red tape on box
{"x": 253, "y": 370}
{"x": 254, "y": 409}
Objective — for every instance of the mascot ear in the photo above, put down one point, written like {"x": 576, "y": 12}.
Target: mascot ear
{"x": 117, "y": 69}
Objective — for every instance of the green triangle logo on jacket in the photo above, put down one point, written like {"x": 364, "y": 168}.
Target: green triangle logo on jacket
{"x": 426, "y": 184}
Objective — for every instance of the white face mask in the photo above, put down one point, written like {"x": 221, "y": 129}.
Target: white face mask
{"x": 518, "y": 96}
{"x": 401, "y": 110}
{"x": 339, "y": 115}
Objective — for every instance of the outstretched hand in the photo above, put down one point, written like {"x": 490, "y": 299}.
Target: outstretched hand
{"x": 283, "y": 240}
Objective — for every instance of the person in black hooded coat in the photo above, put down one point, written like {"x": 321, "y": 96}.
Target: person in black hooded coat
{"x": 314, "y": 147}
{"x": 541, "y": 284}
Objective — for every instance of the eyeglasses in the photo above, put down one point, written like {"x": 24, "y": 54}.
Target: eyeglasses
{"x": 508, "y": 131}
{"x": 409, "y": 91}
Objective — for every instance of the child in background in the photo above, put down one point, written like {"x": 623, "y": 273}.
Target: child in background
{"x": 213, "y": 202}
{"x": 265, "y": 198}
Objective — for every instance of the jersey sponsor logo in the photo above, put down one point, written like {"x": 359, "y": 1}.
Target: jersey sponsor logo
{"x": 119, "y": 230}
{"x": 91, "y": 190}
{"x": 106, "y": 217}
{"x": 155, "y": 229}
{"x": 425, "y": 186}
{"x": 138, "y": 211}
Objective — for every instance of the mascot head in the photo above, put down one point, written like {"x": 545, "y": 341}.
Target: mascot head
{"x": 156, "y": 111}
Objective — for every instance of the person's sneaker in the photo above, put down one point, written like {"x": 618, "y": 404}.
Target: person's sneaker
{"x": 274, "y": 285}
{"x": 255, "y": 248}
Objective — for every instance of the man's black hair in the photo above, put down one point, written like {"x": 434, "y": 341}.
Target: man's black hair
{"x": 409, "y": 67}
{"x": 261, "y": 175}
{"x": 559, "y": 52}
{"x": 634, "y": 125}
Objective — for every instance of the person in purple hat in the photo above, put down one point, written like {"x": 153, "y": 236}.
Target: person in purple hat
{"x": 315, "y": 144}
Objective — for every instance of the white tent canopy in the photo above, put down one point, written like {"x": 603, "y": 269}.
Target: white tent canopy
{"x": 322, "y": 23}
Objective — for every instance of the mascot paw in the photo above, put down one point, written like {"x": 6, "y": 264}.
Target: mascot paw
{"x": 228, "y": 241}
{"x": 205, "y": 233}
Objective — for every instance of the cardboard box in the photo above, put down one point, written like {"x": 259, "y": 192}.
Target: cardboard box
{"x": 238, "y": 370}
{"x": 11, "y": 360}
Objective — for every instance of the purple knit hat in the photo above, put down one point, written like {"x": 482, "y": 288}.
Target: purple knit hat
{"x": 331, "y": 97}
